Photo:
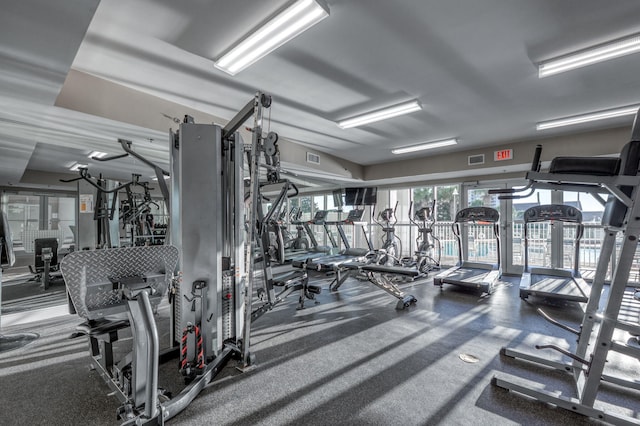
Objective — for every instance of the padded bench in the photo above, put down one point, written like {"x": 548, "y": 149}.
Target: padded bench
{"x": 597, "y": 166}
{"x": 383, "y": 269}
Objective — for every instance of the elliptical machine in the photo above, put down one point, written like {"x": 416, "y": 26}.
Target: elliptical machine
{"x": 390, "y": 250}
{"x": 300, "y": 241}
{"x": 426, "y": 258}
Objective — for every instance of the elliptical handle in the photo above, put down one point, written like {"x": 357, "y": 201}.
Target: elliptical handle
{"x": 535, "y": 164}
{"x": 411, "y": 213}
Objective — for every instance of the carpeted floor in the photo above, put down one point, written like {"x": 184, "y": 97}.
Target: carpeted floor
{"x": 351, "y": 359}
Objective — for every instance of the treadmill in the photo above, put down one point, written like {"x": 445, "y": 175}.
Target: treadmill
{"x": 477, "y": 275}
{"x": 554, "y": 283}
{"x": 315, "y": 250}
{"x": 331, "y": 262}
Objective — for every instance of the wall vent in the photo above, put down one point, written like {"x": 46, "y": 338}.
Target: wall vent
{"x": 313, "y": 158}
{"x": 476, "y": 159}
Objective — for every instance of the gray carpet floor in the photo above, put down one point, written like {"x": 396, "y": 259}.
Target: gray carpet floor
{"x": 351, "y": 359}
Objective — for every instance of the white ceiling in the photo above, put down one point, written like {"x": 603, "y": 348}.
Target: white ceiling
{"x": 470, "y": 63}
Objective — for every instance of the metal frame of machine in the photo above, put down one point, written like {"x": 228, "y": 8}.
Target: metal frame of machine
{"x": 214, "y": 255}
{"x": 621, "y": 181}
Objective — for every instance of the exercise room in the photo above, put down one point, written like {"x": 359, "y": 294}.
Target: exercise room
{"x": 319, "y": 212}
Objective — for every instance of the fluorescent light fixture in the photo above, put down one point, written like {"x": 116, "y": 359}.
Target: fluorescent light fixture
{"x": 97, "y": 154}
{"x": 77, "y": 166}
{"x": 381, "y": 114}
{"x": 155, "y": 178}
{"x": 428, "y": 145}
{"x": 603, "y": 52}
{"x": 585, "y": 118}
{"x": 292, "y": 21}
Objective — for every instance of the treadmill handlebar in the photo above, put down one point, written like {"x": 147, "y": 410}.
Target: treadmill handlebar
{"x": 509, "y": 193}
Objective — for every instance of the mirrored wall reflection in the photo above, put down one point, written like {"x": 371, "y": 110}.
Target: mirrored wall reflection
{"x": 42, "y": 229}
{"x": 33, "y": 216}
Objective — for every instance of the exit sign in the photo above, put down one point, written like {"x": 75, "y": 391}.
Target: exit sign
{"x": 503, "y": 154}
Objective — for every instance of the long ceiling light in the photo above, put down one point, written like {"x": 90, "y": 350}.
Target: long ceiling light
{"x": 428, "y": 145}
{"x": 77, "y": 166}
{"x": 603, "y": 52}
{"x": 381, "y": 114}
{"x": 585, "y": 118}
{"x": 97, "y": 154}
{"x": 294, "y": 20}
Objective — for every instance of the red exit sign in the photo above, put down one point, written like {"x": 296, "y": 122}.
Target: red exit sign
{"x": 503, "y": 154}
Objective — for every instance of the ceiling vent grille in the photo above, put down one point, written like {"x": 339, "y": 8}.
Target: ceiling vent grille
{"x": 474, "y": 160}
{"x": 313, "y": 158}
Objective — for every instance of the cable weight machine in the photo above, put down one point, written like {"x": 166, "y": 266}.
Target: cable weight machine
{"x": 208, "y": 271}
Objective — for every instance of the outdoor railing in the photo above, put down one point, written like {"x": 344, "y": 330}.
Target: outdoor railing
{"x": 482, "y": 245}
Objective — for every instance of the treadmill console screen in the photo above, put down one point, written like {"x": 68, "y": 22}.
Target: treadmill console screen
{"x": 354, "y": 215}
{"x": 478, "y": 214}
{"x": 320, "y": 216}
{"x": 558, "y": 212}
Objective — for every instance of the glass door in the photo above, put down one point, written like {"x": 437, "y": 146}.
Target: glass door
{"x": 23, "y": 214}
{"x": 32, "y": 216}
{"x": 541, "y": 235}
{"x": 478, "y": 239}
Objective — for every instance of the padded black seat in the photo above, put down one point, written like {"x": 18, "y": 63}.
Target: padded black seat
{"x": 397, "y": 270}
{"x": 597, "y": 166}
{"x": 353, "y": 265}
{"x": 359, "y": 252}
{"x": 95, "y": 328}
{"x": 615, "y": 211}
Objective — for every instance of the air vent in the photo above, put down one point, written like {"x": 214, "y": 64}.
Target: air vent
{"x": 476, "y": 159}
{"x": 313, "y": 158}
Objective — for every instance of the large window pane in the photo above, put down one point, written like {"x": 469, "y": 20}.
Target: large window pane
{"x": 447, "y": 204}
{"x": 593, "y": 235}
{"x": 539, "y": 233}
{"x": 305, "y": 207}
{"x": 61, "y": 215}
{"x": 480, "y": 197}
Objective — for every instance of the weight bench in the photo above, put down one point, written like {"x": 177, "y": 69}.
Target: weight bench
{"x": 378, "y": 276}
{"x": 289, "y": 281}
{"x": 113, "y": 289}
{"x": 296, "y": 281}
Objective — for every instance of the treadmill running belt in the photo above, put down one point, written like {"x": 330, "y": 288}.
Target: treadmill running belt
{"x": 556, "y": 287}
{"x": 468, "y": 275}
